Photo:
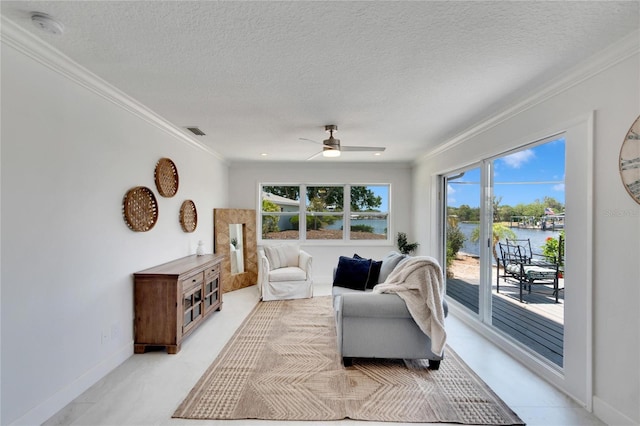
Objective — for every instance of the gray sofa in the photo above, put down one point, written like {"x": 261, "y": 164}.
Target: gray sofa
{"x": 373, "y": 325}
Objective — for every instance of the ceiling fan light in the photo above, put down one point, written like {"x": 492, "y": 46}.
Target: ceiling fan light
{"x": 330, "y": 152}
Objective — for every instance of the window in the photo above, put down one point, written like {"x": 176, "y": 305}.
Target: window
{"x": 327, "y": 212}
{"x": 369, "y": 214}
{"x": 325, "y": 217}
{"x": 280, "y": 212}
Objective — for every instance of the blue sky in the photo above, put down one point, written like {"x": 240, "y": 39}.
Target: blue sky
{"x": 519, "y": 178}
{"x": 383, "y": 192}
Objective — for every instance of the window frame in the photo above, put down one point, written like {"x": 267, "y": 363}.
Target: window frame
{"x": 346, "y": 214}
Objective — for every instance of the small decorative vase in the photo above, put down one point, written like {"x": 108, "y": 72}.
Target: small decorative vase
{"x": 200, "y": 249}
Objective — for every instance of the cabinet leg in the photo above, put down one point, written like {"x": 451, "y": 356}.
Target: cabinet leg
{"x": 139, "y": 349}
{"x": 173, "y": 349}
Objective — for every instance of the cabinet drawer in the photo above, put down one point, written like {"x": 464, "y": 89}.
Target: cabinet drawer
{"x": 192, "y": 281}
{"x": 212, "y": 271}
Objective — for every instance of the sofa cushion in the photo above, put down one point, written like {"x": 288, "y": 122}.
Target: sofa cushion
{"x": 352, "y": 273}
{"x": 339, "y": 291}
{"x": 374, "y": 305}
{"x": 282, "y": 255}
{"x": 389, "y": 263}
{"x": 374, "y": 271}
{"x": 289, "y": 273}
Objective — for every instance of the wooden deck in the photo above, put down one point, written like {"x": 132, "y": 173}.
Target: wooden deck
{"x": 538, "y": 322}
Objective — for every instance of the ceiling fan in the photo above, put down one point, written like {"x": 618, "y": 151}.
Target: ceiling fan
{"x": 331, "y": 147}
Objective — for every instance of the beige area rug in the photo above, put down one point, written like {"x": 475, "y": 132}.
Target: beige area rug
{"x": 283, "y": 364}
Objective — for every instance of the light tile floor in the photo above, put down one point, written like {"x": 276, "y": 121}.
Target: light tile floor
{"x": 147, "y": 388}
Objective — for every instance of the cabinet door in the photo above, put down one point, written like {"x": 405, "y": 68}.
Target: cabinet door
{"x": 192, "y": 308}
{"x": 211, "y": 293}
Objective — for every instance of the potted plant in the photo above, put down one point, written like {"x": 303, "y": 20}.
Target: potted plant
{"x": 404, "y": 246}
{"x": 553, "y": 251}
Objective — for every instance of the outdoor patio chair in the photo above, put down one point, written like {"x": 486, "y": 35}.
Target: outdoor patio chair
{"x": 522, "y": 266}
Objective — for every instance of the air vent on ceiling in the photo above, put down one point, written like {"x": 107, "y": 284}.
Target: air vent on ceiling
{"x": 196, "y": 131}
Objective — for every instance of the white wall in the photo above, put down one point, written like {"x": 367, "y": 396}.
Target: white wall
{"x": 68, "y": 158}
{"x": 613, "y": 93}
{"x": 244, "y": 179}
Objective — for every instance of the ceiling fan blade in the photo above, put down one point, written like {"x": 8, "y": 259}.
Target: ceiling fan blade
{"x": 363, "y": 148}
{"x": 309, "y": 140}
{"x": 313, "y": 156}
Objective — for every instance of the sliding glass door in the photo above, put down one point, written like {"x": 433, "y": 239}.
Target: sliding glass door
{"x": 504, "y": 243}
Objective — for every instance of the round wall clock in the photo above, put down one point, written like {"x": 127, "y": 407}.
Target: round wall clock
{"x": 630, "y": 161}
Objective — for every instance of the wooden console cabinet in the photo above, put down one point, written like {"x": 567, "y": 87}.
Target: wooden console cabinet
{"x": 172, "y": 299}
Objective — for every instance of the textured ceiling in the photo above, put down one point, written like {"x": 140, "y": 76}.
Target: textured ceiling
{"x": 257, "y": 76}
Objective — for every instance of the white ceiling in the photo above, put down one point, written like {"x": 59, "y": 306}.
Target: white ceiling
{"x": 257, "y": 76}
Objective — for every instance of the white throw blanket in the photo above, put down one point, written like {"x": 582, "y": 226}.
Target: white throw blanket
{"x": 418, "y": 281}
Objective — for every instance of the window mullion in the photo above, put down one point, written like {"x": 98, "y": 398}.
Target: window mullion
{"x": 302, "y": 221}
{"x": 346, "y": 213}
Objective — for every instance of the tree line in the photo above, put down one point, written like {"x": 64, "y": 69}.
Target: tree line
{"x": 504, "y": 213}
{"x": 320, "y": 197}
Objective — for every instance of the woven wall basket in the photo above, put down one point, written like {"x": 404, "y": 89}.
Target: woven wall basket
{"x": 140, "y": 209}
{"x": 166, "y": 175}
{"x": 188, "y": 216}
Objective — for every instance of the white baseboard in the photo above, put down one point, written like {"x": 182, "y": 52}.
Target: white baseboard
{"x": 610, "y": 415}
{"x": 59, "y": 400}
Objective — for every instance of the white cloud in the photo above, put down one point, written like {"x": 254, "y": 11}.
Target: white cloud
{"x": 517, "y": 159}
{"x": 559, "y": 187}
{"x": 450, "y": 189}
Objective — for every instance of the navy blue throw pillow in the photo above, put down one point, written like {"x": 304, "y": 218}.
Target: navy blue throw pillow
{"x": 352, "y": 273}
{"x": 374, "y": 271}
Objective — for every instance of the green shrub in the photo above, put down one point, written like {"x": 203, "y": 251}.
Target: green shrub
{"x": 362, "y": 228}
{"x": 269, "y": 222}
{"x": 455, "y": 241}
{"x": 295, "y": 223}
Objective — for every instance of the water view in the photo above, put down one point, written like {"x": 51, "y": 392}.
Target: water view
{"x": 536, "y": 236}
{"x": 379, "y": 225}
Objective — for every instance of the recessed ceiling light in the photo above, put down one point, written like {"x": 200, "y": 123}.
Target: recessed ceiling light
{"x": 46, "y": 23}
{"x": 264, "y": 154}
{"x": 378, "y": 154}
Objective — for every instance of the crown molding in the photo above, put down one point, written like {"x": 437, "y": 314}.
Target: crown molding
{"x": 600, "y": 62}
{"x": 19, "y": 39}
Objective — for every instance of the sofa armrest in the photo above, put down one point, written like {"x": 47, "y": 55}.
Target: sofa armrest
{"x": 305, "y": 262}
{"x": 263, "y": 270}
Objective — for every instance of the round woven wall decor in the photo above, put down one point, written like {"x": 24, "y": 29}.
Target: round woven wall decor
{"x": 188, "y": 216}
{"x": 166, "y": 175}
{"x": 140, "y": 209}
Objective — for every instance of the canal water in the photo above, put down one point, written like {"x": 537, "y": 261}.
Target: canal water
{"x": 536, "y": 236}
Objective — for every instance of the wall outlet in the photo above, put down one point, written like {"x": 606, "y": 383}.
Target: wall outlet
{"x": 104, "y": 337}
{"x": 115, "y": 331}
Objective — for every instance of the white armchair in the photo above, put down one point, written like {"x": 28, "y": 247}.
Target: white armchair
{"x": 284, "y": 273}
